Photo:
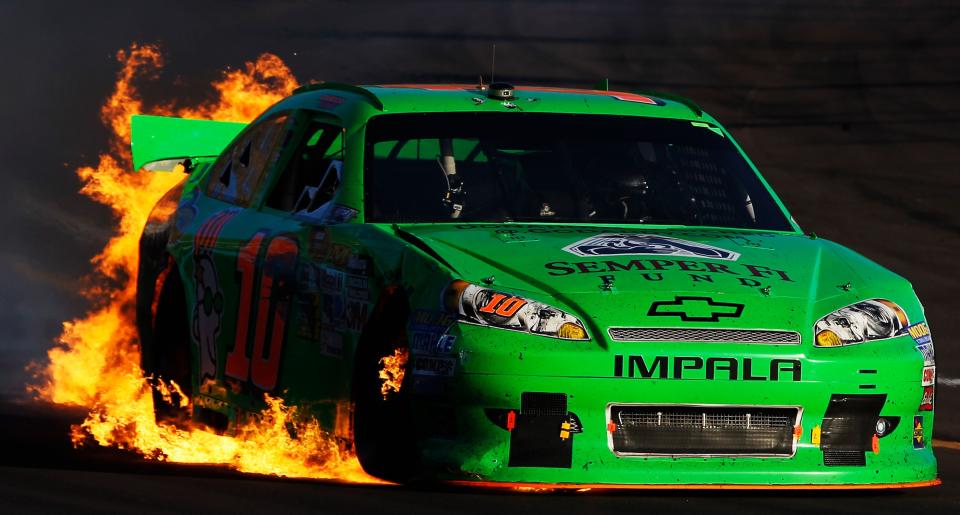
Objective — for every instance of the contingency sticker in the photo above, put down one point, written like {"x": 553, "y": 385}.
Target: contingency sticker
{"x": 920, "y": 333}
{"x": 918, "y": 432}
{"x": 646, "y": 244}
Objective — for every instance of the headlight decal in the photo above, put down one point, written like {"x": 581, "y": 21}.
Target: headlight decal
{"x": 483, "y": 306}
{"x": 874, "y": 319}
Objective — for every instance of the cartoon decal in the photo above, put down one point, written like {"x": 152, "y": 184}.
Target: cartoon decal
{"x": 646, "y": 244}
{"x": 208, "y": 309}
{"x": 207, "y": 312}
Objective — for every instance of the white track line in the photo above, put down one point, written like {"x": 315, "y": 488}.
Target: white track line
{"x": 946, "y": 444}
{"x": 948, "y": 381}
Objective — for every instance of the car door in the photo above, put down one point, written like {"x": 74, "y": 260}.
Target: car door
{"x": 229, "y": 239}
{"x": 300, "y": 200}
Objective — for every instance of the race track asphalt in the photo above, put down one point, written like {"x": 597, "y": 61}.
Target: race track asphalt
{"x": 850, "y": 109}
{"x": 40, "y": 472}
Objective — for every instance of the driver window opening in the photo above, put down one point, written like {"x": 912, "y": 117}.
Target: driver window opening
{"x": 312, "y": 176}
{"x": 239, "y": 170}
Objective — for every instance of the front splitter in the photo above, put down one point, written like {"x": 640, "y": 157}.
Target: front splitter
{"x": 543, "y": 487}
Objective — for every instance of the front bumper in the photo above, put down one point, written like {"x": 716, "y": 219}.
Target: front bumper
{"x": 465, "y": 436}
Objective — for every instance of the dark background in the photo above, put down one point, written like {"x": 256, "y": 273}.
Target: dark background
{"x": 849, "y": 108}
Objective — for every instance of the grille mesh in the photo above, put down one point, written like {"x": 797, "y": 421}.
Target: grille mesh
{"x": 707, "y": 430}
{"x": 712, "y": 420}
{"x": 658, "y": 334}
{"x": 844, "y": 458}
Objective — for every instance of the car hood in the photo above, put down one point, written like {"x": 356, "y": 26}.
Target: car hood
{"x": 618, "y": 274}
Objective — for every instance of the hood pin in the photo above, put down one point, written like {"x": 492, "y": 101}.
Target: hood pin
{"x": 607, "y": 284}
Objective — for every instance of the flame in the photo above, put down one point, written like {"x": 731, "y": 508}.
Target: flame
{"x": 250, "y": 91}
{"x": 95, "y": 362}
{"x": 391, "y": 373}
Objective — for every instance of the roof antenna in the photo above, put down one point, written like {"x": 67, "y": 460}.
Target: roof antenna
{"x": 493, "y": 65}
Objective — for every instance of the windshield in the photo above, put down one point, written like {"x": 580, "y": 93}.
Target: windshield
{"x": 501, "y": 167}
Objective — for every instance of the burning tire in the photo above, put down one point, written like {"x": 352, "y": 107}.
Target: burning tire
{"x": 383, "y": 438}
{"x": 170, "y": 354}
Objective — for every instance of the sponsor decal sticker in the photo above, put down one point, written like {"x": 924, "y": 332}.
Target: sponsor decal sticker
{"x": 926, "y": 350}
{"x": 428, "y": 330}
{"x": 445, "y": 343}
{"x": 329, "y": 101}
{"x": 646, "y": 244}
{"x": 322, "y": 249}
{"x": 920, "y": 333}
{"x": 433, "y": 366}
{"x": 654, "y": 270}
{"x": 332, "y": 344}
{"x": 430, "y": 320}
{"x": 358, "y": 287}
{"x": 331, "y": 281}
{"x": 918, "y": 442}
{"x": 929, "y": 376}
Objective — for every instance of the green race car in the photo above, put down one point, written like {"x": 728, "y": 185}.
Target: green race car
{"x": 525, "y": 285}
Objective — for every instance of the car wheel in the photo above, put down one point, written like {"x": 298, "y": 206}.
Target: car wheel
{"x": 383, "y": 434}
{"x": 169, "y": 353}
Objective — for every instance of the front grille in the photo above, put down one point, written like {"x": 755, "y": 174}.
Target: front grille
{"x": 702, "y": 430}
{"x": 665, "y": 334}
{"x": 540, "y": 403}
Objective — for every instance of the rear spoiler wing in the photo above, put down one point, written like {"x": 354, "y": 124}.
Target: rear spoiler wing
{"x": 160, "y": 138}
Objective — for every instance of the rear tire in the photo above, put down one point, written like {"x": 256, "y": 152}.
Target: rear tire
{"x": 167, "y": 357}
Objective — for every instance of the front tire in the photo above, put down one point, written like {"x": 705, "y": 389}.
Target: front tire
{"x": 384, "y": 436}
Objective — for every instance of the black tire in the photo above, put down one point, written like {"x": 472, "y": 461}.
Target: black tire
{"x": 383, "y": 433}
{"x": 162, "y": 317}
{"x": 167, "y": 357}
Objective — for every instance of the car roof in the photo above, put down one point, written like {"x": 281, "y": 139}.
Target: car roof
{"x": 346, "y": 100}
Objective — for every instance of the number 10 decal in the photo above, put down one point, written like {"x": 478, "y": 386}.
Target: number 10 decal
{"x": 264, "y": 307}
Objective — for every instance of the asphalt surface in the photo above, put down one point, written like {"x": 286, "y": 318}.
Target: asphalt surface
{"x": 41, "y": 473}
{"x": 849, "y": 108}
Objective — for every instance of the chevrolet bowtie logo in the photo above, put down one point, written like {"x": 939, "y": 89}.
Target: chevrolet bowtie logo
{"x": 695, "y": 309}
